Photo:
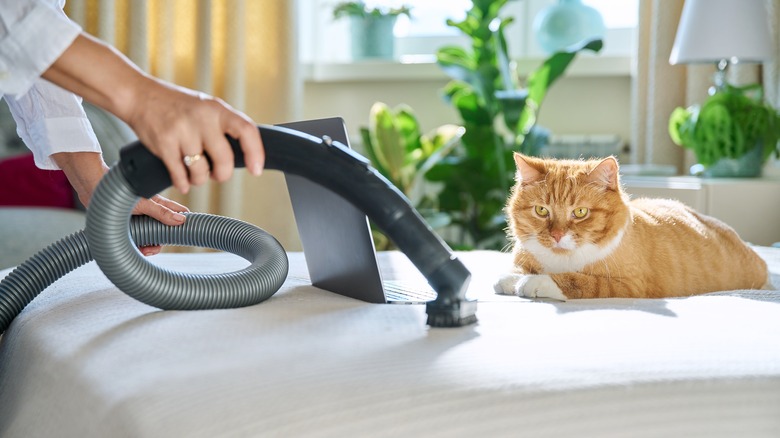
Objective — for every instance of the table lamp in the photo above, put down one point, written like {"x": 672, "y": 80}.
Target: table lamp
{"x": 722, "y": 32}
{"x": 734, "y": 131}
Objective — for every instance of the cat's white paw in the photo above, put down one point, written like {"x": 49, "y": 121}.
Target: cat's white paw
{"x": 505, "y": 285}
{"x": 539, "y": 286}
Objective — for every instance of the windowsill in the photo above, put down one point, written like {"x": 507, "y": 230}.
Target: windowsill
{"x": 427, "y": 69}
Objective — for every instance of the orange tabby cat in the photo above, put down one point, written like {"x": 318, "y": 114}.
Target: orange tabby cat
{"x": 576, "y": 235}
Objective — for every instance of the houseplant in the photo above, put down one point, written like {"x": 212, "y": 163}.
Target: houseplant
{"x": 400, "y": 151}
{"x": 732, "y": 133}
{"x": 371, "y": 28}
{"x": 499, "y": 117}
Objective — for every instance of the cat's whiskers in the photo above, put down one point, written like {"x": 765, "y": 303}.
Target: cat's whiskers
{"x": 507, "y": 248}
{"x": 514, "y": 240}
{"x": 617, "y": 265}
{"x": 606, "y": 266}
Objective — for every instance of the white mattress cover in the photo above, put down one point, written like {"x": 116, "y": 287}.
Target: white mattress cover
{"x": 85, "y": 360}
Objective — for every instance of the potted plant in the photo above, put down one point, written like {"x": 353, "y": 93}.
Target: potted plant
{"x": 732, "y": 134}
{"x": 499, "y": 117}
{"x": 400, "y": 151}
{"x": 371, "y": 28}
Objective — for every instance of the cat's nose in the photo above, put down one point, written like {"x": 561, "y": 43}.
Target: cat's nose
{"x": 557, "y": 234}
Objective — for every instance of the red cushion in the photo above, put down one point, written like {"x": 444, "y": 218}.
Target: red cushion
{"x": 24, "y": 185}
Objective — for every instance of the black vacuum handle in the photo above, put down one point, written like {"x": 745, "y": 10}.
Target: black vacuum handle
{"x": 286, "y": 150}
{"x": 350, "y": 175}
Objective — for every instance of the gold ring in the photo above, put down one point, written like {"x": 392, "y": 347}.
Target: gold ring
{"x": 189, "y": 160}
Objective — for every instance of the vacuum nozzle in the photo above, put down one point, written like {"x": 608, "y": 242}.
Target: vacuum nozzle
{"x": 452, "y": 313}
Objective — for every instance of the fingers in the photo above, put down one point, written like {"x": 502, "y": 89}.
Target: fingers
{"x": 247, "y": 134}
{"x": 182, "y": 126}
{"x": 150, "y": 250}
{"x": 164, "y": 210}
{"x": 173, "y": 160}
{"x": 186, "y": 161}
{"x": 221, "y": 156}
{"x": 217, "y": 147}
{"x": 197, "y": 166}
{"x": 172, "y": 205}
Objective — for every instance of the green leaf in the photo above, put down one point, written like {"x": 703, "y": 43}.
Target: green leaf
{"x": 533, "y": 142}
{"x": 511, "y": 104}
{"x": 479, "y": 141}
{"x": 453, "y": 88}
{"x": 443, "y": 170}
{"x": 470, "y": 108}
{"x": 441, "y": 143}
{"x": 450, "y": 200}
{"x": 359, "y": 9}
{"x": 371, "y": 152}
{"x": 444, "y": 138}
{"x": 407, "y": 125}
{"x": 388, "y": 142}
{"x": 677, "y": 126}
{"x": 349, "y": 9}
{"x": 468, "y": 26}
{"x": 540, "y": 80}
{"x": 456, "y": 63}
{"x": 502, "y": 56}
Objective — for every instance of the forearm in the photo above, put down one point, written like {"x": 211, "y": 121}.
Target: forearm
{"x": 84, "y": 171}
{"x": 171, "y": 121}
{"x": 98, "y": 73}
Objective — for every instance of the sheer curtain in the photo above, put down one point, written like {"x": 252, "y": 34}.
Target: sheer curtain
{"x": 660, "y": 87}
{"x": 772, "y": 69}
{"x": 240, "y": 50}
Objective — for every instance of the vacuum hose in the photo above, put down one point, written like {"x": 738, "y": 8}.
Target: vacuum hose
{"x": 118, "y": 258}
{"x": 140, "y": 174}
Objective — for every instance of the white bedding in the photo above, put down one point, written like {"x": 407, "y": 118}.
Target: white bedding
{"x": 84, "y": 360}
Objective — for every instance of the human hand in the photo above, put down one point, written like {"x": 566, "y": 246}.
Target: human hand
{"x": 173, "y": 122}
{"x": 164, "y": 210}
{"x": 85, "y": 170}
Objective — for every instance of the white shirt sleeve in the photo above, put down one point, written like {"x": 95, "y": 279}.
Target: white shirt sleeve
{"x": 51, "y": 120}
{"x": 33, "y": 34}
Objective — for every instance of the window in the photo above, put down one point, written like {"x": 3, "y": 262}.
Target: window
{"x": 325, "y": 40}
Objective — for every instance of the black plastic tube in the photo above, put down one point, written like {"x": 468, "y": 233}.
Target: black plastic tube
{"x": 349, "y": 175}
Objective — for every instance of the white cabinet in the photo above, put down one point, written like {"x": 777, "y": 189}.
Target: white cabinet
{"x": 750, "y": 206}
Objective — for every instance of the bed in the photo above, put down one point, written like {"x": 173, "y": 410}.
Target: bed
{"x": 85, "y": 360}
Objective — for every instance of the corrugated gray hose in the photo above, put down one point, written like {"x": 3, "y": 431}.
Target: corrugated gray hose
{"x": 107, "y": 239}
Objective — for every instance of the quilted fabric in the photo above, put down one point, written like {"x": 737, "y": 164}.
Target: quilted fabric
{"x": 86, "y": 360}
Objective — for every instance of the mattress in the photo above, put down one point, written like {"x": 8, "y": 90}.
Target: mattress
{"x": 85, "y": 360}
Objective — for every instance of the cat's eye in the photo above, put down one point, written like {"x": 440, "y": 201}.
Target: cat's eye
{"x": 541, "y": 211}
{"x": 580, "y": 212}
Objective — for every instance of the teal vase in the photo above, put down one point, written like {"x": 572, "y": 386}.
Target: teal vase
{"x": 749, "y": 165}
{"x": 566, "y": 23}
{"x": 372, "y": 37}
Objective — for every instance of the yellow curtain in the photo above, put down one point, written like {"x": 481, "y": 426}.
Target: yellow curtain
{"x": 240, "y": 50}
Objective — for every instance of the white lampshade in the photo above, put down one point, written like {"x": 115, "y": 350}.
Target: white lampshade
{"x": 714, "y": 30}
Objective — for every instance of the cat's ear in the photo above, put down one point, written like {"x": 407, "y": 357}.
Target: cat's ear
{"x": 605, "y": 173}
{"x": 526, "y": 172}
